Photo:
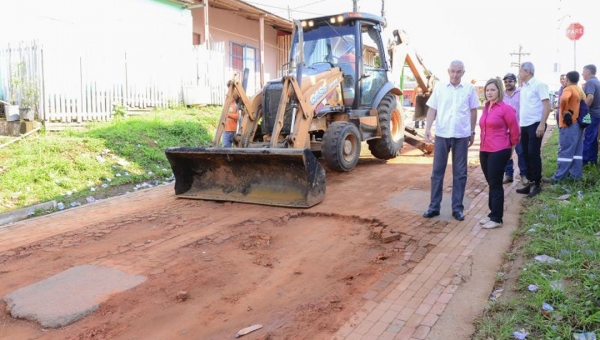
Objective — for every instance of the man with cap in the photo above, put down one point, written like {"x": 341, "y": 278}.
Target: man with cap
{"x": 512, "y": 97}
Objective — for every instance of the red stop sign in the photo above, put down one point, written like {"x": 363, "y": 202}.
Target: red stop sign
{"x": 575, "y": 31}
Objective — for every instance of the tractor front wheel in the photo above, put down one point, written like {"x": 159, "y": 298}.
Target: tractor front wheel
{"x": 341, "y": 146}
{"x": 389, "y": 144}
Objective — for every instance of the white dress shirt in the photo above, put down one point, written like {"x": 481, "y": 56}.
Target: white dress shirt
{"x": 533, "y": 92}
{"x": 453, "y": 105}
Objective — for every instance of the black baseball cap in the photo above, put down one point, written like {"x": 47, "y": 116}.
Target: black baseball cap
{"x": 510, "y": 76}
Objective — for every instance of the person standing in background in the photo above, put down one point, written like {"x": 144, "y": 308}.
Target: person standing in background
{"x": 563, "y": 84}
{"x": 417, "y": 93}
{"x": 570, "y": 138}
{"x": 231, "y": 124}
{"x": 592, "y": 99}
{"x": 512, "y": 97}
{"x": 534, "y": 110}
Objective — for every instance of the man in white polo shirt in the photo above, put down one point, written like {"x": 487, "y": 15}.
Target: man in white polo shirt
{"x": 533, "y": 113}
{"x": 453, "y": 106}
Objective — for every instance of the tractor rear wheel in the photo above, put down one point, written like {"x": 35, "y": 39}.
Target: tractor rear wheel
{"x": 392, "y": 129}
{"x": 341, "y": 146}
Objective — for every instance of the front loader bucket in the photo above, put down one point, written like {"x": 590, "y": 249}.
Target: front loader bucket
{"x": 281, "y": 177}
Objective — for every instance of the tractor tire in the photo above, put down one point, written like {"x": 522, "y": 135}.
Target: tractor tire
{"x": 341, "y": 146}
{"x": 389, "y": 144}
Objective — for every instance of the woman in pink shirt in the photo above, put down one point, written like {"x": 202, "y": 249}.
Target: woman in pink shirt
{"x": 499, "y": 136}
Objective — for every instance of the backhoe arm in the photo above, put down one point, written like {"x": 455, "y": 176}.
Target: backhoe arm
{"x": 403, "y": 52}
{"x": 235, "y": 94}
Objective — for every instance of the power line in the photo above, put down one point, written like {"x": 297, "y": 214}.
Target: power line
{"x": 285, "y": 9}
{"x": 246, "y": 37}
{"x": 312, "y": 3}
{"x": 264, "y": 5}
{"x": 313, "y": 13}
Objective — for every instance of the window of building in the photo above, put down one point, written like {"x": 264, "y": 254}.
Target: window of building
{"x": 245, "y": 57}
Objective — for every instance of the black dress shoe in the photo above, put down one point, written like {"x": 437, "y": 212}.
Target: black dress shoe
{"x": 458, "y": 215}
{"x": 535, "y": 190}
{"x": 431, "y": 213}
{"x": 524, "y": 190}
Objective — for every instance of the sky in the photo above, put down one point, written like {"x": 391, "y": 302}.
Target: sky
{"x": 481, "y": 33}
{"x": 105, "y": 22}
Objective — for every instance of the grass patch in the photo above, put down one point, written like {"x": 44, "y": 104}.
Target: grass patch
{"x": 71, "y": 165}
{"x": 567, "y": 231}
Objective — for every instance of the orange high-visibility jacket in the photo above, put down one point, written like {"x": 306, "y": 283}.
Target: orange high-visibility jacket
{"x": 232, "y": 118}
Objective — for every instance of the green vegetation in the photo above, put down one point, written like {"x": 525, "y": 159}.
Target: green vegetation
{"x": 556, "y": 297}
{"x": 71, "y": 165}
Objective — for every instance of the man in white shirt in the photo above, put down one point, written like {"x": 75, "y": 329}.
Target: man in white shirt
{"x": 453, "y": 106}
{"x": 533, "y": 113}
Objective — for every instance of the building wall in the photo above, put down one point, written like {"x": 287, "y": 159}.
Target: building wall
{"x": 225, "y": 26}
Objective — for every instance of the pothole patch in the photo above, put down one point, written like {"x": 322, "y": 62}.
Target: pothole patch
{"x": 70, "y": 295}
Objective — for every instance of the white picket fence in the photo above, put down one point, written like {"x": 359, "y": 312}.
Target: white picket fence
{"x": 207, "y": 74}
{"x": 87, "y": 85}
{"x": 20, "y": 65}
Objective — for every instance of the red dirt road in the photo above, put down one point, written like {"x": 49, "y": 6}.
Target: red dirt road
{"x": 300, "y": 273}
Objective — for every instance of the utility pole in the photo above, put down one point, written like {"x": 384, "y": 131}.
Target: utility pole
{"x": 289, "y": 13}
{"x": 560, "y": 22}
{"x": 383, "y": 9}
{"x": 355, "y": 5}
{"x": 518, "y": 54}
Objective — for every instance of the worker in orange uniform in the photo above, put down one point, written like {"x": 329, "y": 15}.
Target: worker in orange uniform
{"x": 231, "y": 125}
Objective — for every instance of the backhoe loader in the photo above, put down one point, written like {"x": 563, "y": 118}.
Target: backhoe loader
{"x": 338, "y": 93}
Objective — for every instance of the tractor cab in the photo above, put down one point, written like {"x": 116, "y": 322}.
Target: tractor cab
{"x": 349, "y": 41}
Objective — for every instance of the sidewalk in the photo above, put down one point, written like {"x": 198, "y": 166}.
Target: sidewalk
{"x": 448, "y": 289}
{"x": 410, "y": 306}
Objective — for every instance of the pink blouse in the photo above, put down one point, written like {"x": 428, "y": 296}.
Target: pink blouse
{"x": 499, "y": 127}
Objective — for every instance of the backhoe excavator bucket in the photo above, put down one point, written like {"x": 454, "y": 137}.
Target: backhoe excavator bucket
{"x": 420, "y": 144}
{"x": 280, "y": 177}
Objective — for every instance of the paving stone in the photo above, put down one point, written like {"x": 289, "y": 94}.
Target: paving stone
{"x": 387, "y": 237}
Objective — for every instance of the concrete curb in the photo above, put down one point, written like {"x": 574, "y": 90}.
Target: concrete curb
{"x": 23, "y": 213}
{"x": 14, "y": 216}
